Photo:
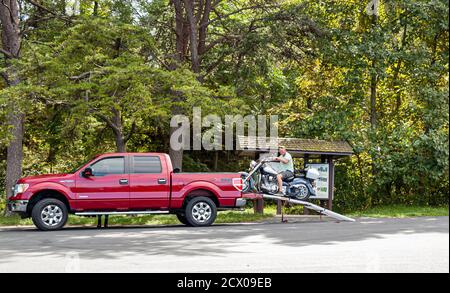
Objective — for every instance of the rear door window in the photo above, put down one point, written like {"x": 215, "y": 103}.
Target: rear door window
{"x": 146, "y": 165}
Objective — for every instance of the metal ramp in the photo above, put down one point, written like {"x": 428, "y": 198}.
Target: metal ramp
{"x": 311, "y": 206}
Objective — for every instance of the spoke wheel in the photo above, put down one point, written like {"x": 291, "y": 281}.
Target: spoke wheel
{"x": 200, "y": 211}
{"x": 49, "y": 214}
{"x": 302, "y": 192}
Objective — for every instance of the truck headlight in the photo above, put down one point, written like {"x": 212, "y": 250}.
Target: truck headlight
{"x": 20, "y": 188}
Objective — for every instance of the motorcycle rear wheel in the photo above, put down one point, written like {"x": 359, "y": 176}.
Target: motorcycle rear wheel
{"x": 302, "y": 193}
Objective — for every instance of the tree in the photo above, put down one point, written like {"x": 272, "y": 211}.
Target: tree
{"x": 11, "y": 45}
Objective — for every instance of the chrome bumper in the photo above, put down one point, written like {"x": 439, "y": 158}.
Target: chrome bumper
{"x": 17, "y": 205}
{"x": 240, "y": 202}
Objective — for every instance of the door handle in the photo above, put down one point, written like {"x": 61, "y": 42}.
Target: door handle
{"x": 123, "y": 181}
{"x": 162, "y": 181}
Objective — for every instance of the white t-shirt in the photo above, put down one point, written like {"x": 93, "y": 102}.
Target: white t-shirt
{"x": 289, "y": 166}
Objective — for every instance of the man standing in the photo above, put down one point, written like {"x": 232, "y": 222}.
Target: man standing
{"x": 286, "y": 167}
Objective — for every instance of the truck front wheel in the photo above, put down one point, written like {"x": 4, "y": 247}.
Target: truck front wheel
{"x": 200, "y": 211}
{"x": 49, "y": 214}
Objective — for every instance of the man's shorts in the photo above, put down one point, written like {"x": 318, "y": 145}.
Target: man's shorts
{"x": 286, "y": 174}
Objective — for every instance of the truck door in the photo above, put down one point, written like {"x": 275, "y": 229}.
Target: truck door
{"x": 149, "y": 182}
{"x": 107, "y": 188}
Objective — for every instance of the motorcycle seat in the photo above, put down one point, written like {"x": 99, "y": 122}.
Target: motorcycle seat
{"x": 289, "y": 179}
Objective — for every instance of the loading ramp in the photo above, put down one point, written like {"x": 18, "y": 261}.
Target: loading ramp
{"x": 306, "y": 204}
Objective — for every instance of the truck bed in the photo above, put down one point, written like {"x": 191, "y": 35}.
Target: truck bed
{"x": 219, "y": 184}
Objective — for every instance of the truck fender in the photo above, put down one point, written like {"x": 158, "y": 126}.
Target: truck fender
{"x": 51, "y": 186}
{"x": 197, "y": 185}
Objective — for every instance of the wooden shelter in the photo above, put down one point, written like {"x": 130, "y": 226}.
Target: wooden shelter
{"x": 311, "y": 150}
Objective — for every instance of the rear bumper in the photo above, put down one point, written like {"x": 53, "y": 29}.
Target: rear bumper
{"x": 240, "y": 202}
{"x": 17, "y": 205}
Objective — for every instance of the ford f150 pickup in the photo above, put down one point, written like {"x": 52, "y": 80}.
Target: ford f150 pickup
{"x": 126, "y": 183}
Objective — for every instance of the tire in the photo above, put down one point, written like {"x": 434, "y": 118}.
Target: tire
{"x": 304, "y": 192}
{"x": 200, "y": 212}
{"x": 247, "y": 185}
{"x": 49, "y": 214}
{"x": 182, "y": 218}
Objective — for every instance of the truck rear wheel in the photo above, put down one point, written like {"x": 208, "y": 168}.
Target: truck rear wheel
{"x": 200, "y": 211}
{"x": 49, "y": 214}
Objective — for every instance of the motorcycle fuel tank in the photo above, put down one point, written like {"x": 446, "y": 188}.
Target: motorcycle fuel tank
{"x": 269, "y": 170}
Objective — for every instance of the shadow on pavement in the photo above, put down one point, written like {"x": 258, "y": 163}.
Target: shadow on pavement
{"x": 217, "y": 240}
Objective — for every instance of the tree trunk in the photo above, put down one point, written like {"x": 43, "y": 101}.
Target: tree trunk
{"x": 118, "y": 131}
{"x": 195, "y": 61}
{"x": 10, "y": 31}
{"x": 395, "y": 82}
{"x": 95, "y": 12}
{"x": 373, "y": 87}
{"x": 181, "y": 41}
{"x": 190, "y": 29}
{"x": 120, "y": 143}
{"x": 176, "y": 156}
{"x": 203, "y": 28}
{"x": 373, "y": 98}
{"x": 216, "y": 160}
{"x": 179, "y": 33}
{"x": 14, "y": 155}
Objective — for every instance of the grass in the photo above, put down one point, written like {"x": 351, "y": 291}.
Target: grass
{"x": 395, "y": 211}
{"x": 401, "y": 211}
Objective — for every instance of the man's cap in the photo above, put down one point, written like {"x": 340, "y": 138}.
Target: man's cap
{"x": 281, "y": 147}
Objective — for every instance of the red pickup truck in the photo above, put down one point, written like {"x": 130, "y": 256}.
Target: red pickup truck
{"x": 126, "y": 183}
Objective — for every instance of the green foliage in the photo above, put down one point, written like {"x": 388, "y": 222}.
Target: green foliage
{"x": 402, "y": 211}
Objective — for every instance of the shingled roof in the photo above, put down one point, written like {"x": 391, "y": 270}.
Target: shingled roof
{"x": 295, "y": 145}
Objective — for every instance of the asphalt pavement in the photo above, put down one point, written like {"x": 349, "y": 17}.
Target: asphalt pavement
{"x": 368, "y": 245}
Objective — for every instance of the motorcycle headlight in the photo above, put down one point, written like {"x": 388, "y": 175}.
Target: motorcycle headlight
{"x": 253, "y": 164}
{"x": 20, "y": 188}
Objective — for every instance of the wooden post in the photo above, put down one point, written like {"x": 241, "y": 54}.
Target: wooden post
{"x": 330, "y": 183}
{"x": 279, "y": 207}
{"x": 258, "y": 206}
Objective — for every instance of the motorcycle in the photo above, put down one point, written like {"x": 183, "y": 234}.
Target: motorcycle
{"x": 262, "y": 178}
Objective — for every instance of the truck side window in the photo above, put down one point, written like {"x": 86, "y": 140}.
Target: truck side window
{"x": 115, "y": 165}
{"x": 146, "y": 164}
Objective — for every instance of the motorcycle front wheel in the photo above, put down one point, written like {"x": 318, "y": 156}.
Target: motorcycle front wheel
{"x": 247, "y": 184}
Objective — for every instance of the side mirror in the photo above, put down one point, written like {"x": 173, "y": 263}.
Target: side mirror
{"x": 176, "y": 170}
{"x": 87, "y": 172}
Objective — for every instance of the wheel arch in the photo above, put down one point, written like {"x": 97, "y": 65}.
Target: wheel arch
{"x": 201, "y": 192}
{"x": 47, "y": 193}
